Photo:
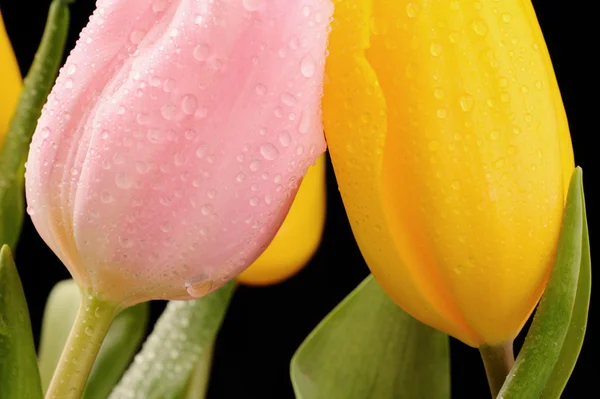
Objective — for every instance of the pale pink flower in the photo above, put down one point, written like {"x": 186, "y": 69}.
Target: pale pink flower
{"x": 174, "y": 141}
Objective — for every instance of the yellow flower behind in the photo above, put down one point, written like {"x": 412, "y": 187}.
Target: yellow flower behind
{"x": 10, "y": 82}
{"x": 299, "y": 235}
{"x": 452, "y": 152}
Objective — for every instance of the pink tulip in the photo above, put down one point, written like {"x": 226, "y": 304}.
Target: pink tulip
{"x": 174, "y": 141}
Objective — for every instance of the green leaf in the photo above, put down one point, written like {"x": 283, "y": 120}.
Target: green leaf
{"x": 198, "y": 383}
{"x": 19, "y": 377}
{"x": 181, "y": 339}
{"x": 367, "y": 347}
{"x": 123, "y": 339}
{"x": 574, "y": 340}
{"x": 61, "y": 308}
{"x": 36, "y": 86}
{"x": 552, "y": 322}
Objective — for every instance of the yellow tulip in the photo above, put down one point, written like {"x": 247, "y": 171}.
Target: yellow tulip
{"x": 10, "y": 82}
{"x": 452, "y": 152}
{"x": 299, "y": 235}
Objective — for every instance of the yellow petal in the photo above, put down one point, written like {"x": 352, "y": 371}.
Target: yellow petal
{"x": 472, "y": 170}
{"x": 299, "y": 235}
{"x": 566, "y": 146}
{"x": 357, "y": 128}
{"x": 10, "y": 82}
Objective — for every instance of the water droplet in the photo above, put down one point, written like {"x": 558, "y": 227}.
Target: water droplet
{"x": 201, "y": 52}
{"x": 480, "y": 27}
{"x": 269, "y": 151}
{"x": 305, "y": 122}
{"x": 136, "y": 36}
{"x": 254, "y": 165}
{"x": 412, "y": 10}
{"x": 454, "y": 37}
{"x": 252, "y": 5}
{"x": 494, "y": 135}
{"x": 142, "y": 167}
{"x": 289, "y": 99}
{"x": 285, "y": 138}
{"x": 254, "y": 201}
{"x": 201, "y": 151}
{"x": 500, "y": 163}
{"x": 439, "y": 93}
{"x": 71, "y": 69}
{"x": 456, "y": 184}
{"x": 308, "y": 66}
{"x": 207, "y": 210}
{"x": 442, "y": 113}
{"x": 123, "y": 181}
{"x": 506, "y": 17}
{"x": 466, "y": 103}
{"x": 436, "y": 49}
{"x": 261, "y": 89}
{"x": 189, "y": 103}
{"x": 30, "y": 210}
{"x": 89, "y": 331}
{"x": 106, "y": 197}
{"x": 169, "y": 85}
{"x": 159, "y": 5}
{"x": 168, "y": 111}
{"x": 69, "y": 83}
{"x": 198, "y": 290}
{"x": 211, "y": 194}
{"x": 241, "y": 177}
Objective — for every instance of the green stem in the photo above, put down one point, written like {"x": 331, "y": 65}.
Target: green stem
{"x": 498, "y": 361}
{"x": 89, "y": 329}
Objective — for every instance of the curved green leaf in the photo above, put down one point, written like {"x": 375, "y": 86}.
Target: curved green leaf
{"x": 19, "y": 377}
{"x": 122, "y": 341}
{"x": 367, "y": 347}
{"x": 181, "y": 339}
{"x": 544, "y": 342}
{"x": 574, "y": 340}
{"x": 36, "y": 87}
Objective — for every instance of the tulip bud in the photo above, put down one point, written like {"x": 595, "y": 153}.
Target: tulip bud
{"x": 451, "y": 148}
{"x": 298, "y": 237}
{"x": 174, "y": 140}
{"x": 10, "y": 82}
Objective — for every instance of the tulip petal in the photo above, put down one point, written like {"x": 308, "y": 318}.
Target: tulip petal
{"x": 356, "y": 124}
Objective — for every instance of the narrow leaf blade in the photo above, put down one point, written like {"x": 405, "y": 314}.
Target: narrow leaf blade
{"x": 574, "y": 340}
{"x": 544, "y": 342}
{"x": 60, "y": 312}
{"x": 181, "y": 339}
{"x": 367, "y": 347}
{"x": 36, "y": 88}
{"x": 19, "y": 376}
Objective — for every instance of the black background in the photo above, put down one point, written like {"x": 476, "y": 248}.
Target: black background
{"x": 264, "y": 326}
